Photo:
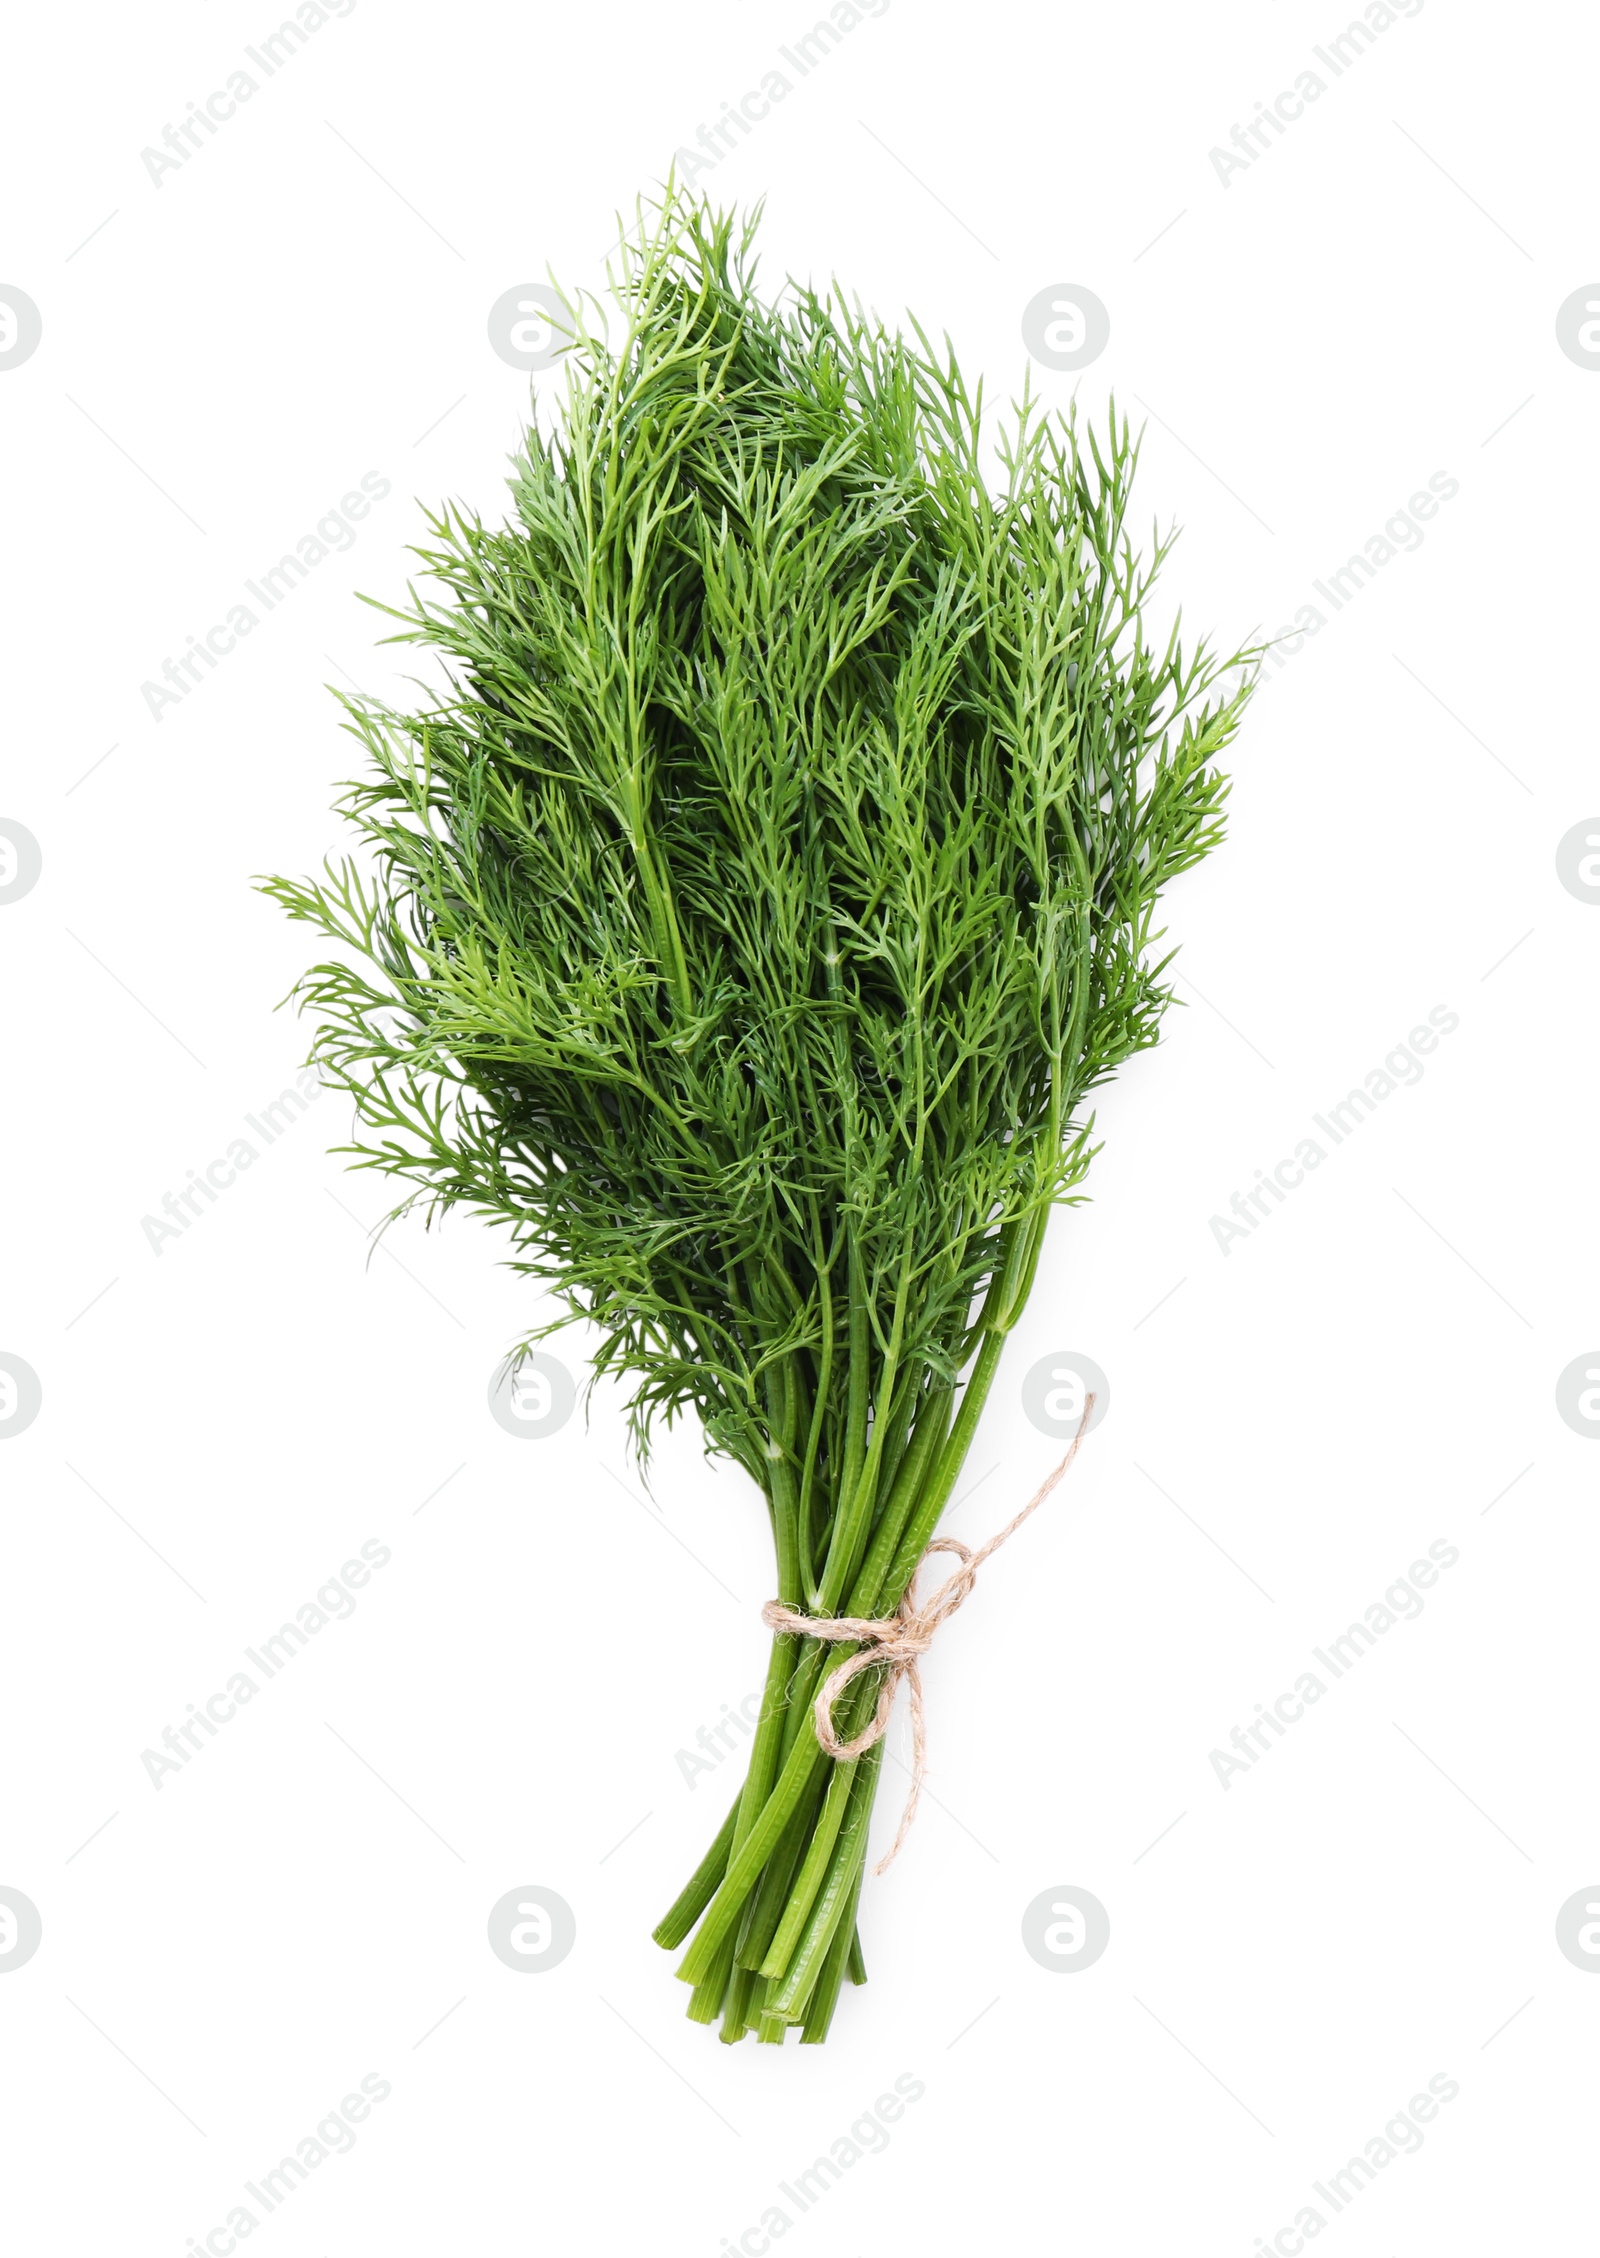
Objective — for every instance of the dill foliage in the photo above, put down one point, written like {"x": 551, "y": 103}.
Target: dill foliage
{"x": 746, "y": 922}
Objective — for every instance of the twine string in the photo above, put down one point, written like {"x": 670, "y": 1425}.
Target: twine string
{"x": 898, "y": 1642}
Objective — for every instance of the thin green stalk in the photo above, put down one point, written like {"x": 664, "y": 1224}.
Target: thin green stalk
{"x": 816, "y": 1655}
{"x": 766, "y": 1748}
{"x": 742, "y": 2009}
{"x": 803, "y": 1891}
{"x": 765, "y": 1906}
{"x": 745, "y": 1864}
{"x": 844, "y": 1956}
{"x": 706, "y": 1999}
{"x": 932, "y": 1428}
{"x": 790, "y": 1997}
{"x": 944, "y": 1474}
{"x": 859, "y": 1397}
{"x": 696, "y": 1894}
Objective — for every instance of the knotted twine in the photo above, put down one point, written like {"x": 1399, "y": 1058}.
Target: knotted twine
{"x": 900, "y": 1641}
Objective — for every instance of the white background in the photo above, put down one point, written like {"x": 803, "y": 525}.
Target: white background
{"x": 1374, "y": 1369}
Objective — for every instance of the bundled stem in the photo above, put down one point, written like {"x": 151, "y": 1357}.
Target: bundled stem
{"x": 746, "y": 923}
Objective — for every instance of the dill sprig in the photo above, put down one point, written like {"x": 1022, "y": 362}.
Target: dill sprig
{"x": 747, "y": 921}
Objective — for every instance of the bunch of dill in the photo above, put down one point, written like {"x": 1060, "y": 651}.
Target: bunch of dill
{"x": 745, "y": 925}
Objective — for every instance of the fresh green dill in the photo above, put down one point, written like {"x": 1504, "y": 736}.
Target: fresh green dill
{"x": 746, "y": 924}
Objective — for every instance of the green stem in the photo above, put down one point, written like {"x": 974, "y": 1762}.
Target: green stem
{"x": 943, "y": 1476}
{"x": 779, "y": 1891}
{"x": 844, "y": 1956}
{"x": 768, "y": 1745}
{"x": 932, "y": 1425}
{"x": 737, "y": 2015}
{"x": 697, "y": 1892}
{"x": 705, "y": 2001}
{"x": 746, "y": 1862}
{"x": 790, "y": 1998}
{"x": 765, "y": 1906}
{"x": 802, "y": 1896}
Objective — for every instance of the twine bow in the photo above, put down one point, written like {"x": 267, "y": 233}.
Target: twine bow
{"x": 900, "y": 1641}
